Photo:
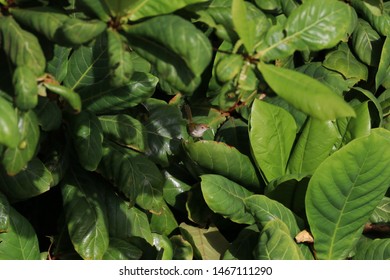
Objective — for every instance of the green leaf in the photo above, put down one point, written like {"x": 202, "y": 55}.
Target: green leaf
{"x": 343, "y": 61}
{"x": 22, "y": 47}
{"x": 238, "y": 249}
{"x": 67, "y": 94}
{"x": 32, "y": 181}
{"x": 125, "y": 130}
{"x": 14, "y": 160}
{"x": 175, "y": 190}
{"x": 305, "y": 93}
{"x": 164, "y": 221}
{"x": 272, "y": 133}
{"x": 76, "y": 32}
{"x": 94, "y": 7}
{"x": 118, "y": 8}
{"x": 25, "y": 87}
{"x": 20, "y": 241}
{"x": 48, "y": 113}
{"x": 182, "y": 249}
{"x": 276, "y": 243}
{"x": 314, "y": 25}
{"x": 87, "y": 136}
{"x": 58, "y": 65}
{"x": 164, "y": 125}
{"x": 384, "y": 64}
{"x": 125, "y": 221}
{"x": 85, "y": 214}
{"x": 9, "y": 132}
{"x": 314, "y": 144}
{"x": 372, "y": 249}
{"x": 134, "y": 175}
{"x": 103, "y": 98}
{"x": 265, "y": 210}
{"x": 163, "y": 246}
{"x": 4, "y": 213}
{"x": 381, "y": 213}
{"x": 226, "y": 198}
{"x": 343, "y": 192}
{"x": 208, "y": 244}
{"x": 119, "y": 249}
{"x": 366, "y": 43}
{"x": 147, "y": 8}
{"x": 177, "y": 49}
{"x": 119, "y": 58}
{"x": 219, "y": 158}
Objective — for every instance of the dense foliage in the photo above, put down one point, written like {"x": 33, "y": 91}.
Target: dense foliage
{"x": 194, "y": 129}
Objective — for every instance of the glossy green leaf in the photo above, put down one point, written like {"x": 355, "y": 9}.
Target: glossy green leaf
{"x": 103, "y": 98}
{"x": 25, "y": 87}
{"x": 343, "y": 61}
{"x": 314, "y": 25}
{"x": 4, "y": 213}
{"x": 182, "y": 249}
{"x": 164, "y": 125}
{"x": 219, "y": 158}
{"x": 125, "y": 130}
{"x": 85, "y": 214}
{"x": 208, "y": 244}
{"x": 119, "y": 58}
{"x": 275, "y": 243}
{"x": 163, "y": 246}
{"x": 67, "y": 94}
{"x": 272, "y": 134}
{"x": 265, "y": 210}
{"x": 244, "y": 26}
{"x": 366, "y": 43}
{"x": 269, "y": 5}
{"x": 238, "y": 249}
{"x": 76, "y": 32}
{"x": 226, "y": 197}
{"x": 33, "y": 180}
{"x": 175, "y": 190}
{"x": 126, "y": 221}
{"x": 381, "y": 213}
{"x": 134, "y": 175}
{"x": 343, "y": 192}
{"x": 118, "y": 8}
{"x": 177, "y": 49}
{"x": 21, "y": 46}
{"x": 87, "y": 136}
{"x": 376, "y": 112}
{"x": 119, "y": 249}
{"x": 48, "y": 113}
{"x": 384, "y": 64}
{"x": 94, "y": 7}
{"x": 20, "y": 241}
{"x": 58, "y": 65}
{"x": 14, "y": 160}
{"x": 314, "y": 144}
{"x": 163, "y": 222}
{"x": 147, "y": 8}
{"x": 308, "y": 95}
{"x": 44, "y": 20}
{"x": 9, "y": 132}
{"x": 372, "y": 249}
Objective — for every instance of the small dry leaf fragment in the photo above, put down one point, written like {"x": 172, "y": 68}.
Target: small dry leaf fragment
{"x": 304, "y": 236}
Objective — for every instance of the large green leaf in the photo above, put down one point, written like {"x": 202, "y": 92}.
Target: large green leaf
{"x": 58, "y": 65}
{"x": 226, "y": 198}
{"x": 219, "y": 158}
{"x": 305, "y": 93}
{"x": 164, "y": 221}
{"x": 25, "y": 87}
{"x": 147, "y": 8}
{"x": 372, "y": 249}
{"x": 208, "y": 244}
{"x": 314, "y": 144}
{"x": 102, "y": 97}
{"x": 175, "y": 191}
{"x": 178, "y": 51}
{"x": 119, "y": 249}
{"x": 33, "y": 180}
{"x": 381, "y": 213}
{"x": 67, "y": 94}
{"x": 76, "y": 31}
{"x": 134, "y": 175}
{"x": 272, "y": 134}
{"x": 238, "y": 249}
{"x": 85, "y": 214}
{"x": 276, "y": 243}
{"x": 125, "y": 221}
{"x": 22, "y": 47}
{"x": 314, "y": 25}
{"x": 182, "y": 249}
{"x": 125, "y": 130}
{"x": 14, "y": 160}
{"x": 343, "y": 192}
{"x": 94, "y": 7}
{"x": 87, "y": 137}
{"x": 4, "y": 213}
{"x": 384, "y": 64}
{"x": 19, "y": 242}
{"x": 9, "y": 132}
